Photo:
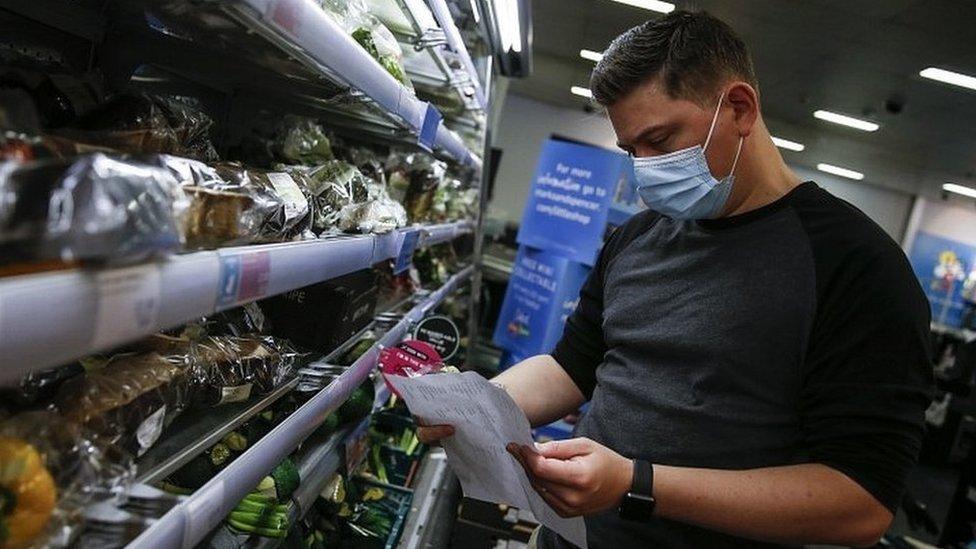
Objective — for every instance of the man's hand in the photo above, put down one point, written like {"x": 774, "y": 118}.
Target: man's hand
{"x": 433, "y": 434}
{"x": 576, "y": 476}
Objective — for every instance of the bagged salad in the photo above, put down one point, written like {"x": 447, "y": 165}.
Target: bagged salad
{"x": 371, "y": 34}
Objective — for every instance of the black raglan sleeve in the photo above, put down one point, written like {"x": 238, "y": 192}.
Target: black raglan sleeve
{"x": 868, "y": 375}
{"x": 581, "y": 348}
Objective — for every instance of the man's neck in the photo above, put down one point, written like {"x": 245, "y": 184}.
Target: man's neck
{"x": 762, "y": 178}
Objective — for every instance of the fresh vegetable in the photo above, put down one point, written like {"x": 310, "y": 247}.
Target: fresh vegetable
{"x": 27, "y": 493}
{"x": 257, "y": 530}
{"x": 194, "y": 474}
{"x": 282, "y": 482}
{"x": 235, "y": 441}
{"x": 219, "y": 455}
{"x": 359, "y": 404}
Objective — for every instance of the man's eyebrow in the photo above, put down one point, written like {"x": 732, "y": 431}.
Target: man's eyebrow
{"x": 642, "y": 135}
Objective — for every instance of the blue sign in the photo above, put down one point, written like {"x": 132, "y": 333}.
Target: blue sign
{"x": 405, "y": 258}
{"x": 569, "y": 199}
{"x": 229, "y": 281}
{"x": 942, "y": 266}
{"x": 542, "y": 293}
{"x": 428, "y": 130}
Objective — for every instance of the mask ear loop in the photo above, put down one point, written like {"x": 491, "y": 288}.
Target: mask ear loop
{"x": 714, "y": 120}
{"x": 735, "y": 161}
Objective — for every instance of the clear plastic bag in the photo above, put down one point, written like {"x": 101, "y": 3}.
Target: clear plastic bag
{"x": 302, "y": 141}
{"x": 231, "y": 205}
{"x": 229, "y": 369}
{"x": 333, "y": 186}
{"x": 128, "y": 401}
{"x": 54, "y": 471}
{"x": 93, "y": 208}
{"x": 371, "y": 34}
{"x": 413, "y": 181}
{"x": 141, "y": 123}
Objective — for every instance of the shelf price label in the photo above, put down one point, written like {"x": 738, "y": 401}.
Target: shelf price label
{"x": 128, "y": 304}
{"x": 428, "y": 130}
{"x": 405, "y": 258}
{"x": 243, "y": 277}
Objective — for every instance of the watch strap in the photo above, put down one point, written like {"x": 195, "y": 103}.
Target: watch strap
{"x": 643, "y": 482}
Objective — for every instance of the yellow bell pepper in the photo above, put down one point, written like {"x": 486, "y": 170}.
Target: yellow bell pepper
{"x": 27, "y": 493}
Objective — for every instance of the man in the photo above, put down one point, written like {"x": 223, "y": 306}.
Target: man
{"x": 754, "y": 349}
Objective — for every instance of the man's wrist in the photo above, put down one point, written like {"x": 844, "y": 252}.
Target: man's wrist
{"x": 638, "y": 503}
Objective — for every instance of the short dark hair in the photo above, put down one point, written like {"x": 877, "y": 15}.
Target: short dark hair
{"x": 692, "y": 52}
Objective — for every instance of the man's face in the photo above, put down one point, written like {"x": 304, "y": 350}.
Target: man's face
{"x": 649, "y": 122}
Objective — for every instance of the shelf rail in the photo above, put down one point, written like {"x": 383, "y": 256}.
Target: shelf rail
{"x": 50, "y": 319}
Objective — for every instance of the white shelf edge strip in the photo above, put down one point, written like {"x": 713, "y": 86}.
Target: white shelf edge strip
{"x": 189, "y": 523}
{"x": 49, "y": 319}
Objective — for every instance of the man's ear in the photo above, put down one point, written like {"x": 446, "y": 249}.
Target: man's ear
{"x": 745, "y": 102}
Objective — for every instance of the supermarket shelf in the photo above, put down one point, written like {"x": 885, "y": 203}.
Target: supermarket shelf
{"x": 191, "y": 434}
{"x": 52, "y": 318}
{"x": 188, "y": 524}
{"x": 443, "y": 16}
{"x": 305, "y": 31}
{"x": 433, "y": 507}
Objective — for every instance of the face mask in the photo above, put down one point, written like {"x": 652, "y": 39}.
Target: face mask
{"x": 679, "y": 184}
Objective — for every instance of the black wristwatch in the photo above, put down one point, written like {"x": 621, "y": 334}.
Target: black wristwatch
{"x": 638, "y": 504}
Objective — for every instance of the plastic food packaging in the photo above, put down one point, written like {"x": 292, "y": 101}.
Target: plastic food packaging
{"x": 94, "y": 208}
{"x": 54, "y": 472}
{"x": 228, "y": 369}
{"x": 333, "y": 186}
{"x": 128, "y": 401}
{"x": 230, "y": 205}
{"x": 413, "y": 180}
{"x": 371, "y": 34}
{"x": 141, "y": 123}
{"x": 302, "y": 141}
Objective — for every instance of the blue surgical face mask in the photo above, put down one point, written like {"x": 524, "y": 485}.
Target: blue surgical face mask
{"x": 680, "y": 185}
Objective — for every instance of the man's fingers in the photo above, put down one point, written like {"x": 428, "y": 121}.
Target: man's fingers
{"x": 565, "y": 449}
{"x": 434, "y": 433}
{"x": 551, "y": 469}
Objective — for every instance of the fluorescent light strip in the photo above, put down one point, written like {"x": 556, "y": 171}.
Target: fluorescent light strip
{"x": 949, "y": 77}
{"x": 845, "y": 120}
{"x": 475, "y": 11}
{"x": 591, "y": 55}
{"x": 509, "y": 26}
{"x": 843, "y": 172}
{"x": 787, "y": 144}
{"x": 959, "y": 189}
{"x": 582, "y": 92}
{"x": 653, "y": 5}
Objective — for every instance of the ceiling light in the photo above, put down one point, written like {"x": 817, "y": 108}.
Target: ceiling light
{"x": 582, "y": 92}
{"x": 509, "y": 25}
{"x": 591, "y": 55}
{"x": 787, "y": 144}
{"x": 653, "y": 5}
{"x": 848, "y": 121}
{"x": 959, "y": 189}
{"x": 949, "y": 77}
{"x": 475, "y": 11}
{"x": 843, "y": 172}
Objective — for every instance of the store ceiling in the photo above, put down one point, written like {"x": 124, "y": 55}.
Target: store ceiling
{"x": 848, "y": 56}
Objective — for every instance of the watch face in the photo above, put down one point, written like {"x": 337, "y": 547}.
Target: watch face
{"x": 637, "y": 507}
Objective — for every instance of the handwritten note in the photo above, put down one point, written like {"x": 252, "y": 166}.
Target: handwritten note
{"x": 485, "y": 419}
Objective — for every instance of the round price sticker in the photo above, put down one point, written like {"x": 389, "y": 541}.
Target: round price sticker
{"x": 441, "y": 333}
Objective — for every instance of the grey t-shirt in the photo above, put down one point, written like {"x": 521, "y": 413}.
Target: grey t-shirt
{"x": 793, "y": 333}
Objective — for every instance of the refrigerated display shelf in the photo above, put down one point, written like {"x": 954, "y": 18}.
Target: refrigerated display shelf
{"x": 191, "y": 521}
{"x": 304, "y": 30}
{"x": 52, "y": 318}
